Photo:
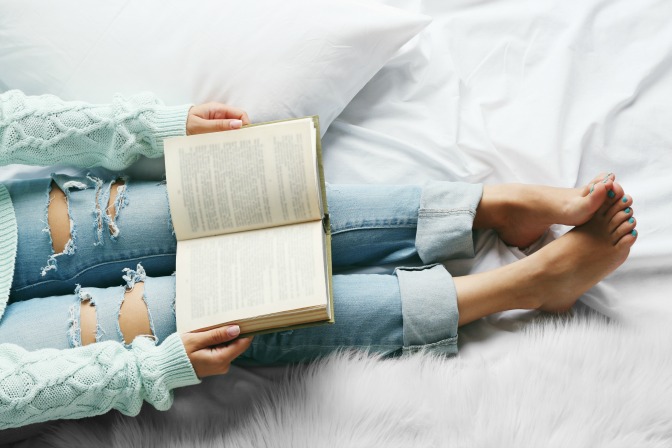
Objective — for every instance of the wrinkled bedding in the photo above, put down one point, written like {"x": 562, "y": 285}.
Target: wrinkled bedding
{"x": 514, "y": 91}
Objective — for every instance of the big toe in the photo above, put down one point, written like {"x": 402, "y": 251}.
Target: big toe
{"x": 602, "y": 177}
{"x": 599, "y": 193}
{"x": 614, "y": 192}
{"x": 617, "y": 192}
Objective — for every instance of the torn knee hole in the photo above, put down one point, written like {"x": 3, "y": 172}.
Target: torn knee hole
{"x": 134, "y": 315}
{"x": 114, "y": 204}
{"x": 58, "y": 219}
{"x": 87, "y": 322}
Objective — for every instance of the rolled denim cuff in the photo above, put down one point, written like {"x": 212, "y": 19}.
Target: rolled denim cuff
{"x": 445, "y": 220}
{"x": 429, "y": 309}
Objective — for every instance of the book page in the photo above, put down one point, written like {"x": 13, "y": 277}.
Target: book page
{"x": 257, "y": 177}
{"x": 241, "y": 275}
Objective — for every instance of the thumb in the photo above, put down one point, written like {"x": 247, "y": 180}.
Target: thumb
{"x": 213, "y": 337}
{"x": 226, "y": 125}
{"x": 201, "y": 126}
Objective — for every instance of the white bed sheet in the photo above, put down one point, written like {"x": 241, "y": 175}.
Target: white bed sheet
{"x": 516, "y": 91}
{"x": 537, "y": 92}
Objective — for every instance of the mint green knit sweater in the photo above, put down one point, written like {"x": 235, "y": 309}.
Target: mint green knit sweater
{"x": 85, "y": 381}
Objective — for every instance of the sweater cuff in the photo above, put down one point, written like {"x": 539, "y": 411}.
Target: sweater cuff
{"x": 8, "y": 242}
{"x": 169, "y": 122}
{"x": 171, "y": 359}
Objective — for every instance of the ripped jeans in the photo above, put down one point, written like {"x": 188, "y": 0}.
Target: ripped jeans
{"x": 115, "y": 244}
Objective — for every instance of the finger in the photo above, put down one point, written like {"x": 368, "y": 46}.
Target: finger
{"x": 217, "y": 360}
{"x": 213, "y": 337}
{"x": 201, "y": 126}
{"x": 222, "y": 111}
{"x": 233, "y": 350}
{"x": 234, "y": 112}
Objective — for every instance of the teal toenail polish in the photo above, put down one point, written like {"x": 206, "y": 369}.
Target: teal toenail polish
{"x": 592, "y": 187}
{"x": 625, "y": 199}
{"x": 627, "y": 210}
{"x": 634, "y": 233}
{"x": 611, "y": 194}
{"x": 631, "y": 220}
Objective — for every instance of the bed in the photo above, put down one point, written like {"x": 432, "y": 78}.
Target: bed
{"x": 490, "y": 91}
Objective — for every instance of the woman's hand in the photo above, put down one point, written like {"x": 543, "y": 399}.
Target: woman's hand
{"x": 208, "y": 352}
{"x": 214, "y": 117}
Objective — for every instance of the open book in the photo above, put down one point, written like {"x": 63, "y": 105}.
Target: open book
{"x": 250, "y": 215}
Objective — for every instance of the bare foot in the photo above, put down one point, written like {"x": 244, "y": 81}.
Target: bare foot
{"x": 553, "y": 278}
{"x": 522, "y": 213}
{"x": 585, "y": 255}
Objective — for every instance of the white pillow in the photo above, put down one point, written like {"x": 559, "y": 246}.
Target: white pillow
{"x": 275, "y": 59}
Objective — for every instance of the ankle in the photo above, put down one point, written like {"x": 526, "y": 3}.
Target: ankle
{"x": 534, "y": 276}
{"x": 491, "y": 211}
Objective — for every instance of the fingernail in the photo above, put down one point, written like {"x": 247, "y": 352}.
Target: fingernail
{"x": 233, "y": 331}
{"x": 627, "y": 210}
{"x": 625, "y": 199}
{"x": 611, "y": 194}
{"x": 592, "y": 187}
{"x": 634, "y": 233}
{"x": 236, "y": 124}
{"x": 631, "y": 220}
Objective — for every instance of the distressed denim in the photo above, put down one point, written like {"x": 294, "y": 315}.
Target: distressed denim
{"x": 93, "y": 256}
{"x": 415, "y": 308}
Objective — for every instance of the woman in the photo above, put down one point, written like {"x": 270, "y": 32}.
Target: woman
{"x": 71, "y": 355}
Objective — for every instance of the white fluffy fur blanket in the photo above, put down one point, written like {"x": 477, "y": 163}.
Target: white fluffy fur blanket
{"x": 578, "y": 382}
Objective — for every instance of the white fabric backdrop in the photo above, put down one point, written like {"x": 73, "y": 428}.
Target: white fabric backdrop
{"x": 539, "y": 92}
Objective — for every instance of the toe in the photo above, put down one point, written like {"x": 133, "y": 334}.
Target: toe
{"x": 596, "y": 198}
{"x": 626, "y": 230}
{"x": 607, "y": 198}
{"x": 623, "y": 202}
{"x": 624, "y": 216}
{"x": 616, "y": 193}
{"x": 627, "y": 240}
{"x": 603, "y": 177}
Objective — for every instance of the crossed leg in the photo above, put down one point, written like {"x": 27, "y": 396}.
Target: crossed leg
{"x": 553, "y": 278}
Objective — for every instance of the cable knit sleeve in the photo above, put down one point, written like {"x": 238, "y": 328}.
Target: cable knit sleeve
{"x": 85, "y": 381}
{"x": 45, "y": 130}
